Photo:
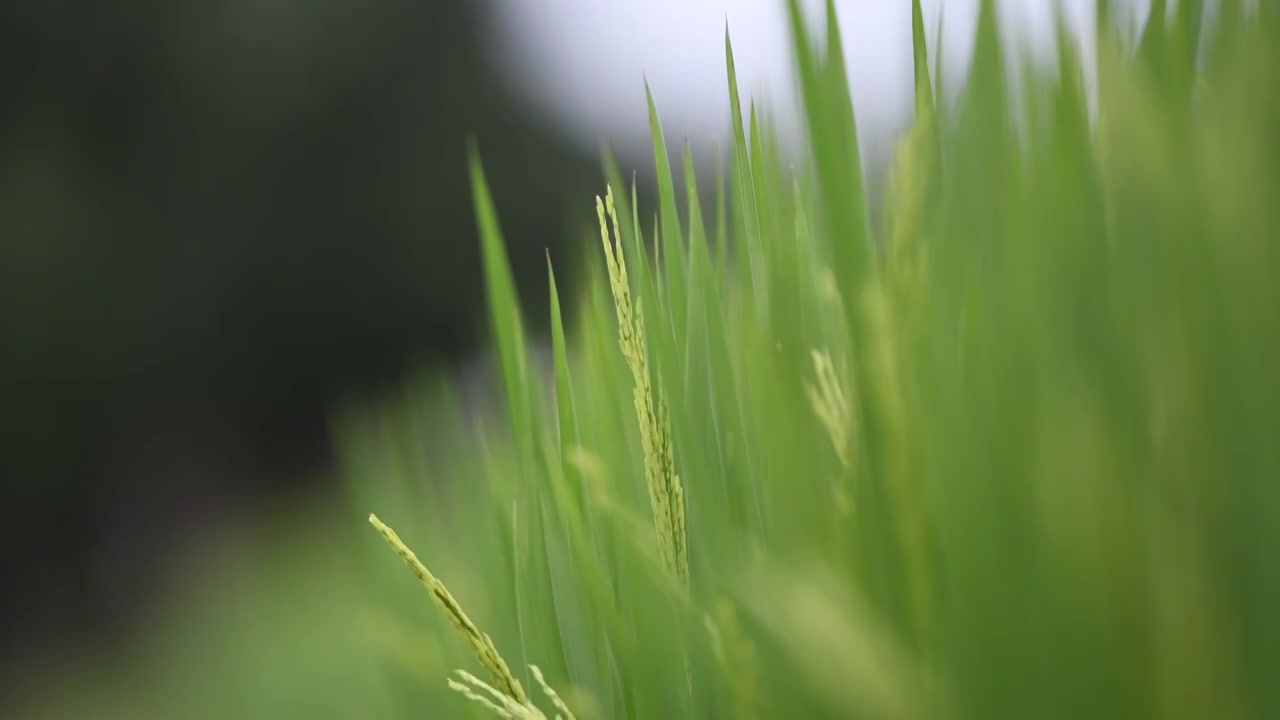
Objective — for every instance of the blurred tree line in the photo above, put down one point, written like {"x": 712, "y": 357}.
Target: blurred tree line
{"x": 215, "y": 219}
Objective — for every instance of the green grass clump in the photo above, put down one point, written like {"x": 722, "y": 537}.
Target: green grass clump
{"x": 1005, "y": 447}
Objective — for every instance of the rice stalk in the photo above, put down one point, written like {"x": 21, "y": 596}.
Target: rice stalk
{"x": 480, "y": 643}
{"x": 830, "y": 403}
{"x": 666, "y": 493}
{"x": 489, "y": 697}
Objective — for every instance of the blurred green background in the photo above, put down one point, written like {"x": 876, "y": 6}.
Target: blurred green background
{"x": 217, "y": 219}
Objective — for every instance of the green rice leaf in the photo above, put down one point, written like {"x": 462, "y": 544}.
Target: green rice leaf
{"x": 504, "y": 313}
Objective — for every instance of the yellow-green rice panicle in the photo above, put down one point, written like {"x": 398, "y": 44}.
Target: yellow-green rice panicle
{"x": 908, "y": 212}
{"x": 480, "y": 643}
{"x": 831, "y": 405}
{"x": 552, "y": 695}
{"x": 830, "y": 401}
{"x": 488, "y": 697}
{"x": 484, "y": 695}
{"x": 666, "y": 494}
{"x": 894, "y": 307}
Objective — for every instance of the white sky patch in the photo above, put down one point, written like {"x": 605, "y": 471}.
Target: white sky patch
{"x": 581, "y": 63}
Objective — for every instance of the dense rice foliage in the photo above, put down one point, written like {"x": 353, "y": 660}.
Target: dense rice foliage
{"x": 1006, "y": 447}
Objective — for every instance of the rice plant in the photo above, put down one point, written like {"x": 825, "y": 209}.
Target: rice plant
{"x": 1006, "y": 446}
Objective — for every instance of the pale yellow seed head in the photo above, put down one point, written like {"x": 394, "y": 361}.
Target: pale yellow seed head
{"x": 666, "y": 494}
{"x": 480, "y": 643}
